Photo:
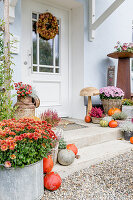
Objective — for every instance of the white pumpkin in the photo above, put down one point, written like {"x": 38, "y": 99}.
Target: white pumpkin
{"x": 66, "y": 157}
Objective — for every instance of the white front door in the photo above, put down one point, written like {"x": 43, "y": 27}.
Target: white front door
{"x": 45, "y": 63}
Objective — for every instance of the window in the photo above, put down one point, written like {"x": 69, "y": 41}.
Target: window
{"x": 45, "y": 52}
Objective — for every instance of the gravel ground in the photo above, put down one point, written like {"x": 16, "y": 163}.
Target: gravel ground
{"x": 110, "y": 180}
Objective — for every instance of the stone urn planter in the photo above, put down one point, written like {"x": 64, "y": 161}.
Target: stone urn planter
{"x": 127, "y": 135}
{"x": 25, "y": 107}
{"x": 22, "y": 183}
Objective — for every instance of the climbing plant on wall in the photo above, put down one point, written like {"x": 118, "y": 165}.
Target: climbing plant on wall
{"x": 6, "y": 81}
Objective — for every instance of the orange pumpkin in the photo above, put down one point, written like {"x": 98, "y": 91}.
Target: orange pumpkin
{"x": 47, "y": 164}
{"x": 113, "y": 124}
{"x": 87, "y": 119}
{"x": 113, "y": 111}
{"x": 73, "y": 148}
{"x": 52, "y": 181}
{"x": 131, "y": 140}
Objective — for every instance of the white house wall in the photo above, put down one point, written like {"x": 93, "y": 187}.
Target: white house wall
{"x": 77, "y": 61}
{"x": 118, "y": 27}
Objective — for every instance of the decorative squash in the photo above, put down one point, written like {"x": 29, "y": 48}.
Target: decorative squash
{"x": 52, "y": 181}
{"x": 131, "y": 140}
{"x": 113, "y": 111}
{"x": 73, "y": 148}
{"x": 87, "y": 119}
{"x": 47, "y": 164}
{"x": 113, "y": 124}
{"x": 104, "y": 123}
{"x": 66, "y": 157}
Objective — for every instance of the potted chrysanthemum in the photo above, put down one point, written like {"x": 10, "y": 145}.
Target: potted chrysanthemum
{"x": 23, "y": 145}
{"x": 111, "y": 97}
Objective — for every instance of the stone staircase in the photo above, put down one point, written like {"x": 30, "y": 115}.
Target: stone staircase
{"x": 95, "y": 144}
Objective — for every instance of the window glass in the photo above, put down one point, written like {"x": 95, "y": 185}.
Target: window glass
{"x": 57, "y": 70}
{"x": 35, "y": 68}
{"x": 34, "y": 39}
{"x": 45, "y": 69}
{"x": 45, "y": 52}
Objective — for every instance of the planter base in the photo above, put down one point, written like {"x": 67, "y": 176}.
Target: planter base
{"x": 22, "y": 183}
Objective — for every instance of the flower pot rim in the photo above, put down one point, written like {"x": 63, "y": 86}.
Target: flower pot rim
{"x": 13, "y": 168}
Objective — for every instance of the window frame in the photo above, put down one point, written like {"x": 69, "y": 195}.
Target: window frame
{"x": 54, "y": 67}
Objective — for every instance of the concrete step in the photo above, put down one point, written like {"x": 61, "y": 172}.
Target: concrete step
{"x": 94, "y": 154}
{"x": 91, "y": 135}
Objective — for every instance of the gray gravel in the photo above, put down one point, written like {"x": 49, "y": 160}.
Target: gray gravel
{"x": 110, "y": 180}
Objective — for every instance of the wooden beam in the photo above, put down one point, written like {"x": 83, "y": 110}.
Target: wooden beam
{"x": 94, "y": 24}
{"x": 106, "y": 14}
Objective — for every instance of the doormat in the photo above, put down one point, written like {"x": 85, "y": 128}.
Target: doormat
{"x": 65, "y": 122}
{"x": 71, "y": 126}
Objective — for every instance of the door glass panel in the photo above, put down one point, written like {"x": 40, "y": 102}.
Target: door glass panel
{"x": 34, "y": 16}
{"x": 45, "y": 52}
{"x": 57, "y": 70}
{"x": 57, "y": 50}
{"x": 34, "y": 39}
{"x": 45, "y": 69}
{"x": 35, "y": 68}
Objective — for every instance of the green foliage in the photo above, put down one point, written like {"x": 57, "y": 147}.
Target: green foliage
{"x": 119, "y": 116}
{"x": 6, "y": 109}
{"x": 62, "y": 144}
{"x": 127, "y": 102}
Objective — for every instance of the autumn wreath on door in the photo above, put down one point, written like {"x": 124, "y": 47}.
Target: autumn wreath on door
{"x": 47, "y": 26}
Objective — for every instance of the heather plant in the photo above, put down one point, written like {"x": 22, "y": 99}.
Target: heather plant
{"x": 50, "y": 117}
{"x": 127, "y": 127}
{"x": 111, "y": 92}
{"x": 62, "y": 143}
{"x": 119, "y": 116}
{"x": 125, "y": 47}
{"x": 96, "y": 112}
{"x": 24, "y": 141}
{"x": 108, "y": 118}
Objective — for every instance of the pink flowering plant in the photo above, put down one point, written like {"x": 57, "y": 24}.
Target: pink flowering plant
{"x": 96, "y": 112}
{"x": 111, "y": 92}
{"x": 125, "y": 47}
{"x": 50, "y": 117}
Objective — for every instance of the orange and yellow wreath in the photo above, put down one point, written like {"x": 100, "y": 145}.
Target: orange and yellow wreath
{"x": 47, "y": 26}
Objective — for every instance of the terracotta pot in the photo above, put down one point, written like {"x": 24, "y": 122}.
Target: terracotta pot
{"x": 111, "y": 103}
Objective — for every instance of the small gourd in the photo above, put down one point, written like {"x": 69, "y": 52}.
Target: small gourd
{"x": 104, "y": 123}
{"x": 66, "y": 157}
